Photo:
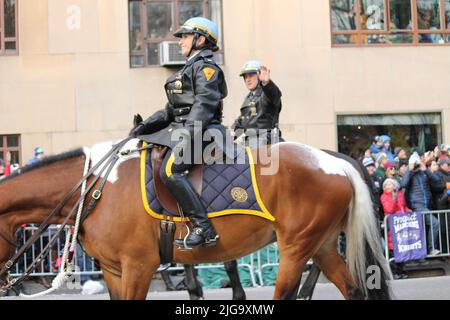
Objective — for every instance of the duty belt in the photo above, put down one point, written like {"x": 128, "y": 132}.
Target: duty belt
{"x": 180, "y": 119}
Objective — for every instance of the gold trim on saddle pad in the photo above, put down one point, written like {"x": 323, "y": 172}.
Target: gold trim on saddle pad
{"x": 262, "y": 214}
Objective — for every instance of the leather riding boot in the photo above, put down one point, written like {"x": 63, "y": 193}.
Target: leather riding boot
{"x": 203, "y": 233}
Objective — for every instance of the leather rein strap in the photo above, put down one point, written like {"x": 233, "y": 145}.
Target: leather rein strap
{"x": 108, "y": 161}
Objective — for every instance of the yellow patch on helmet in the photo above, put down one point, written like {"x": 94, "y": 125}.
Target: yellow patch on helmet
{"x": 209, "y": 73}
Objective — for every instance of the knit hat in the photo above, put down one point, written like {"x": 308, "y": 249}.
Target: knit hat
{"x": 38, "y": 151}
{"x": 368, "y": 161}
{"x": 394, "y": 183}
{"x": 388, "y": 165}
{"x": 380, "y": 157}
{"x": 397, "y": 150}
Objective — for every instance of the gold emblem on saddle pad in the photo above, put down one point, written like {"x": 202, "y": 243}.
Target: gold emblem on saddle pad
{"x": 239, "y": 194}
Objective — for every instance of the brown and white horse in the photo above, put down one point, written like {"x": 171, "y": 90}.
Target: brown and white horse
{"x": 313, "y": 197}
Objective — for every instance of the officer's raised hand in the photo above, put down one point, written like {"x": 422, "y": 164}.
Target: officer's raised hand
{"x": 264, "y": 75}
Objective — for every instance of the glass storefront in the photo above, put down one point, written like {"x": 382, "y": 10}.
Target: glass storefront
{"x": 421, "y": 131}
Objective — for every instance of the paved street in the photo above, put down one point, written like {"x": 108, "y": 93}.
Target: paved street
{"x": 410, "y": 289}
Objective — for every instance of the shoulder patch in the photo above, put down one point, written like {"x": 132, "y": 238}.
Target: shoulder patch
{"x": 209, "y": 73}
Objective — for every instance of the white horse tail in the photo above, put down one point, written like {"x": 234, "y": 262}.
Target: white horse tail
{"x": 363, "y": 239}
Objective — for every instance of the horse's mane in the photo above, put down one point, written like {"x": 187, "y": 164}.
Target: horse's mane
{"x": 44, "y": 162}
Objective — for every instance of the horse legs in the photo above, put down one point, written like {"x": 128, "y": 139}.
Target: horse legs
{"x": 167, "y": 280}
{"x": 136, "y": 279}
{"x": 231, "y": 267}
{"x": 308, "y": 287}
{"x": 113, "y": 283}
{"x": 195, "y": 288}
{"x": 292, "y": 264}
{"x": 334, "y": 268}
{"x": 193, "y": 285}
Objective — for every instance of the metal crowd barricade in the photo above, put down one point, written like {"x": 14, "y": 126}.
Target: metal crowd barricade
{"x": 272, "y": 259}
{"x": 86, "y": 265}
{"x": 442, "y": 244}
{"x": 255, "y": 263}
{"x": 247, "y": 262}
{"x": 47, "y": 266}
{"x": 244, "y": 262}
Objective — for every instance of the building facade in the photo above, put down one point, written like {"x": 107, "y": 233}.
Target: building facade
{"x": 74, "y": 72}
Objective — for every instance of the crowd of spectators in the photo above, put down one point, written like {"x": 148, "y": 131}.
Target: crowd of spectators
{"x": 409, "y": 180}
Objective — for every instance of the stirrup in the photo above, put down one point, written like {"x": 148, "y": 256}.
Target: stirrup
{"x": 163, "y": 267}
{"x": 207, "y": 242}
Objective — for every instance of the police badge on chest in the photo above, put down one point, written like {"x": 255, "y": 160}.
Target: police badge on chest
{"x": 253, "y": 109}
{"x": 177, "y": 86}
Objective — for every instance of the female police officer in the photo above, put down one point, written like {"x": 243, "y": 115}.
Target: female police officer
{"x": 195, "y": 95}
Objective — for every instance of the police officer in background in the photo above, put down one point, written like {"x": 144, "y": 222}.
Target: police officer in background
{"x": 261, "y": 108}
{"x": 194, "y": 95}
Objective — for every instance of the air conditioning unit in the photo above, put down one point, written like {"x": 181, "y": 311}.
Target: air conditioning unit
{"x": 170, "y": 54}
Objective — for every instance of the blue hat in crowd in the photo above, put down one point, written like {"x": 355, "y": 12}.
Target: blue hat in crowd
{"x": 385, "y": 138}
{"x": 38, "y": 151}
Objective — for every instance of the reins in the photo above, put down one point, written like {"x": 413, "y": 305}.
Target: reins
{"x": 108, "y": 162}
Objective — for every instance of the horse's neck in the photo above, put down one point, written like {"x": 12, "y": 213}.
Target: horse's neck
{"x": 29, "y": 198}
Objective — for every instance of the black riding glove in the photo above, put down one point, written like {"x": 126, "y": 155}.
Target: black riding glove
{"x": 138, "y": 130}
{"x": 158, "y": 121}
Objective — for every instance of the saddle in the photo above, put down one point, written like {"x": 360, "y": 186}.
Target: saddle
{"x": 164, "y": 196}
{"x": 224, "y": 189}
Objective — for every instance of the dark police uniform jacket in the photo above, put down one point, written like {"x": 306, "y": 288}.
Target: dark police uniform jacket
{"x": 261, "y": 109}
{"x": 195, "y": 93}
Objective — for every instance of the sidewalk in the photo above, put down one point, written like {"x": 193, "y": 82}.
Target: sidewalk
{"x": 32, "y": 286}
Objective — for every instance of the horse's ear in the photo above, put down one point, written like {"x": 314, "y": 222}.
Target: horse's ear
{"x": 137, "y": 119}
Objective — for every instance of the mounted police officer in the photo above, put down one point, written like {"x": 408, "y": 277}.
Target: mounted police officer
{"x": 261, "y": 108}
{"x": 195, "y": 96}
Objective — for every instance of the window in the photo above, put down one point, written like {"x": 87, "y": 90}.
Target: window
{"x": 390, "y": 22}
{"x": 8, "y": 27}
{"x": 153, "y": 21}
{"x": 10, "y": 148}
{"x": 420, "y": 131}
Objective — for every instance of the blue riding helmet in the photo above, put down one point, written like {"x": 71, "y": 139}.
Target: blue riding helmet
{"x": 251, "y": 67}
{"x": 202, "y": 26}
{"x": 38, "y": 150}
